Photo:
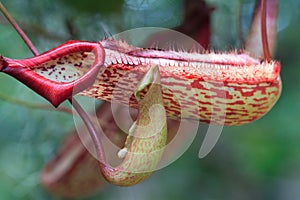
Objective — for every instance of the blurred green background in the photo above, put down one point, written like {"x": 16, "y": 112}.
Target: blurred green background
{"x": 260, "y": 160}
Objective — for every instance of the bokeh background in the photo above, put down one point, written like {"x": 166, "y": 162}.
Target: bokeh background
{"x": 260, "y": 160}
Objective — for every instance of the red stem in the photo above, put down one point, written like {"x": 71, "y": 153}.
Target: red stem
{"x": 19, "y": 30}
{"x": 91, "y": 128}
{"x": 264, "y": 34}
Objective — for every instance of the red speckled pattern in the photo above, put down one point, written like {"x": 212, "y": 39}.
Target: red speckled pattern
{"x": 232, "y": 88}
{"x": 146, "y": 144}
{"x": 67, "y": 68}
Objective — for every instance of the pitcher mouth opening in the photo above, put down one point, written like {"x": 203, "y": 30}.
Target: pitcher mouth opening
{"x": 61, "y": 72}
{"x": 229, "y": 67}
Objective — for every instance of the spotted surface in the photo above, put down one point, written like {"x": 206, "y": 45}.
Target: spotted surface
{"x": 67, "y": 68}
{"x": 145, "y": 144}
{"x": 207, "y": 101}
{"x": 233, "y": 89}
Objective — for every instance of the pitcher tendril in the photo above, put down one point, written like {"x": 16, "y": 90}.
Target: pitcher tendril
{"x": 264, "y": 34}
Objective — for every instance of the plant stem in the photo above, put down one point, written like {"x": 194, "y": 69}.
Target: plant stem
{"x": 239, "y": 25}
{"x": 18, "y": 29}
{"x": 264, "y": 34}
{"x": 91, "y": 128}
